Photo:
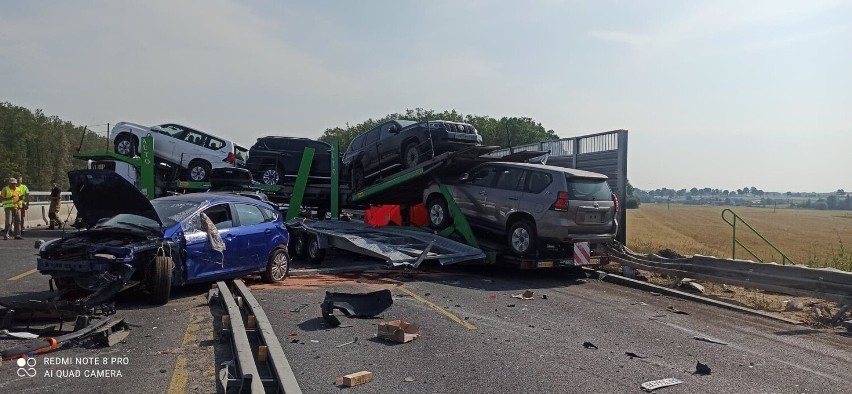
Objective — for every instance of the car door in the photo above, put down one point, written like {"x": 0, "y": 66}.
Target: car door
{"x": 203, "y": 261}
{"x": 506, "y": 195}
{"x": 388, "y": 149}
{"x": 255, "y": 231}
{"x": 471, "y": 195}
{"x": 369, "y": 155}
{"x": 165, "y": 144}
{"x": 538, "y": 197}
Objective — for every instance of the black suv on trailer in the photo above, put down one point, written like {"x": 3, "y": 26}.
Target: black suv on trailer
{"x": 275, "y": 160}
{"x": 401, "y": 144}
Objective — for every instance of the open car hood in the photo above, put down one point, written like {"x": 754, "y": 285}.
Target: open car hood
{"x": 100, "y": 194}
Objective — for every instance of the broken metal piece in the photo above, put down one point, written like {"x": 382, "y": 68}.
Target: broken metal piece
{"x": 589, "y": 345}
{"x": 708, "y": 339}
{"x": 658, "y": 384}
{"x": 633, "y": 355}
{"x": 299, "y": 308}
{"x": 348, "y": 343}
{"x": 677, "y": 311}
{"x": 18, "y": 335}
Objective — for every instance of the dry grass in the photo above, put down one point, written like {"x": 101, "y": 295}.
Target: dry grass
{"x": 816, "y": 238}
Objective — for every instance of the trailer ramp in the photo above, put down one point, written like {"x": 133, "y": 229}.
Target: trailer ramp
{"x": 396, "y": 246}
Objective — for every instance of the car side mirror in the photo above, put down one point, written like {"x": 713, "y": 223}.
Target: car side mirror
{"x": 464, "y": 177}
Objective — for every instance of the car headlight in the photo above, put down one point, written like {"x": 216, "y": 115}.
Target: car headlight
{"x": 44, "y": 244}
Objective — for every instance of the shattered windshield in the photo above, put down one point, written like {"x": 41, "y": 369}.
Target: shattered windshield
{"x": 132, "y": 221}
{"x": 172, "y": 212}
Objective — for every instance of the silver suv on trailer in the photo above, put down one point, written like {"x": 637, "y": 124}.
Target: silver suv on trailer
{"x": 531, "y": 205}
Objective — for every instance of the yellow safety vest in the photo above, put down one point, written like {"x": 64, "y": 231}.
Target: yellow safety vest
{"x": 11, "y": 197}
{"x": 23, "y": 191}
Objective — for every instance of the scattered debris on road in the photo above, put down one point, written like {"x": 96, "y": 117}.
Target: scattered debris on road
{"x": 18, "y": 335}
{"x": 408, "y": 379}
{"x": 492, "y": 297}
{"x": 676, "y": 311}
{"x": 399, "y": 331}
{"x": 654, "y": 293}
{"x": 355, "y": 305}
{"x": 701, "y": 369}
{"x": 710, "y": 340}
{"x": 589, "y": 345}
{"x": 581, "y": 281}
{"x": 510, "y": 306}
{"x": 658, "y": 384}
{"x": 354, "y": 341}
{"x": 357, "y": 378}
{"x": 633, "y": 355}
{"x": 544, "y": 296}
{"x": 690, "y": 285}
{"x": 299, "y": 308}
{"x": 527, "y": 295}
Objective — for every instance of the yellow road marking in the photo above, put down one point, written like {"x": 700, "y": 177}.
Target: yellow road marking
{"x": 437, "y": 308}
{"x": 180, "y": 375}
{"x": 30, "y": 272}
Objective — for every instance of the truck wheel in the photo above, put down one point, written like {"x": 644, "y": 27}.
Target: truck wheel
{"x": 125, "y": 145}
{"x": 315, "y": 253}
{"x": 271, "y": 176}
{"x": 411, "y": 155}
{"x": 439, "y": 213}
{"x": 299, "y": 246}
{"x": 160, "y": 279}
{"x": 199, "y": 171}
{"x": 521, "y": 237}
{"x": 357, "y": 179}
{"x": 278, "y": 266}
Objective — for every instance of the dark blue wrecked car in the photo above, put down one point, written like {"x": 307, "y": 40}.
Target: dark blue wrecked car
{"x": 162, "y": 243}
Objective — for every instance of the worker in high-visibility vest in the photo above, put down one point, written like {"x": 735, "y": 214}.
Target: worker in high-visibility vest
{"x": 11, "y": 199}
{"x": 23, "y": 202}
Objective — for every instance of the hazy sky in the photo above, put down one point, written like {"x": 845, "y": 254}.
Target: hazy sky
{"x": 721, "y": 94}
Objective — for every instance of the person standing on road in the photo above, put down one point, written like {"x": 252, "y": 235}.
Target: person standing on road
{"x": 53, "y": 213}
{"x": 11, "y": 198}
{"x": 23, "y": 202}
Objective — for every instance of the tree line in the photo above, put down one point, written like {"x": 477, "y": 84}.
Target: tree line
{"x": 503, "y": 132}
{"x": 39, "y": 147}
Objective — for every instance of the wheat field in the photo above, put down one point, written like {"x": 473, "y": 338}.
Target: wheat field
{"x": 815, "y": 238}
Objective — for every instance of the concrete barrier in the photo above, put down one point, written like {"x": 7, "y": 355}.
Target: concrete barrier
{"x": 37, "y": 215}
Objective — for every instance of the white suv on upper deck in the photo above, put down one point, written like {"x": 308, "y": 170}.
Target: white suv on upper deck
{"x": 195, "y": 151}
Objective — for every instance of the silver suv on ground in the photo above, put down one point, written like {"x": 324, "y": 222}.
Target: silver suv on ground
{"x": 532, "y": 205}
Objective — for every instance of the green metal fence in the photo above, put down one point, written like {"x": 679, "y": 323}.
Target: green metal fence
{"x": 732, "y": 221}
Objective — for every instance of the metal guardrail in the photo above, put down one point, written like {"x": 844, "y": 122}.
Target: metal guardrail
{"x": 826, "y": 283}
{"x": 733, "y": 224}
{"x": 255, "y": 369}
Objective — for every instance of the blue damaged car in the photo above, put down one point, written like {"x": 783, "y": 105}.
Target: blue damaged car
{"x": 161, "y": 243}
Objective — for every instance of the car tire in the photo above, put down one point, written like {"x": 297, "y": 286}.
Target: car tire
{"x": 272, "y": 175}
{"x": 199, "y": 171}
{"x": 411, "y": 156}
{"x": 125, "y": 145}
{"x": 357, "y": 179}
{"x": 439, "y": 213}
{"x": 160, "y": 279}
{"x": 316, "y": 254}
{"x": 521, "y": 237}
{"x": 278, "y": 266}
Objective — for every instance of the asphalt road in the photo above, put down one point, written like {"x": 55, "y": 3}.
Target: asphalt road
{"x": 471, "y": 340}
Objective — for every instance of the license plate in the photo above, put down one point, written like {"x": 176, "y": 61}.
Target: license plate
{"x": 461, "y": 136}
{"x": 544, "y": 264}
{"x": 593, "y": 217}
{"x": 594, "y": 261}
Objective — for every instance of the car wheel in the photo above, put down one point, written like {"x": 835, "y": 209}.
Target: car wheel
{"x": 439, "y": 213}
{"x": 411, "y": 155}
{"x": 125, "y": 145}
{"x": 278, "y": 266}
{"x": 357, "y": 179}
{"x": 160, "y": 279}
{"x": 271, "y": 176}
{"x": 69, "y": 287}
{"x": 521, "y": 237}
{"x": 199, "y": 171}
{"x": 315, "y": 253}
